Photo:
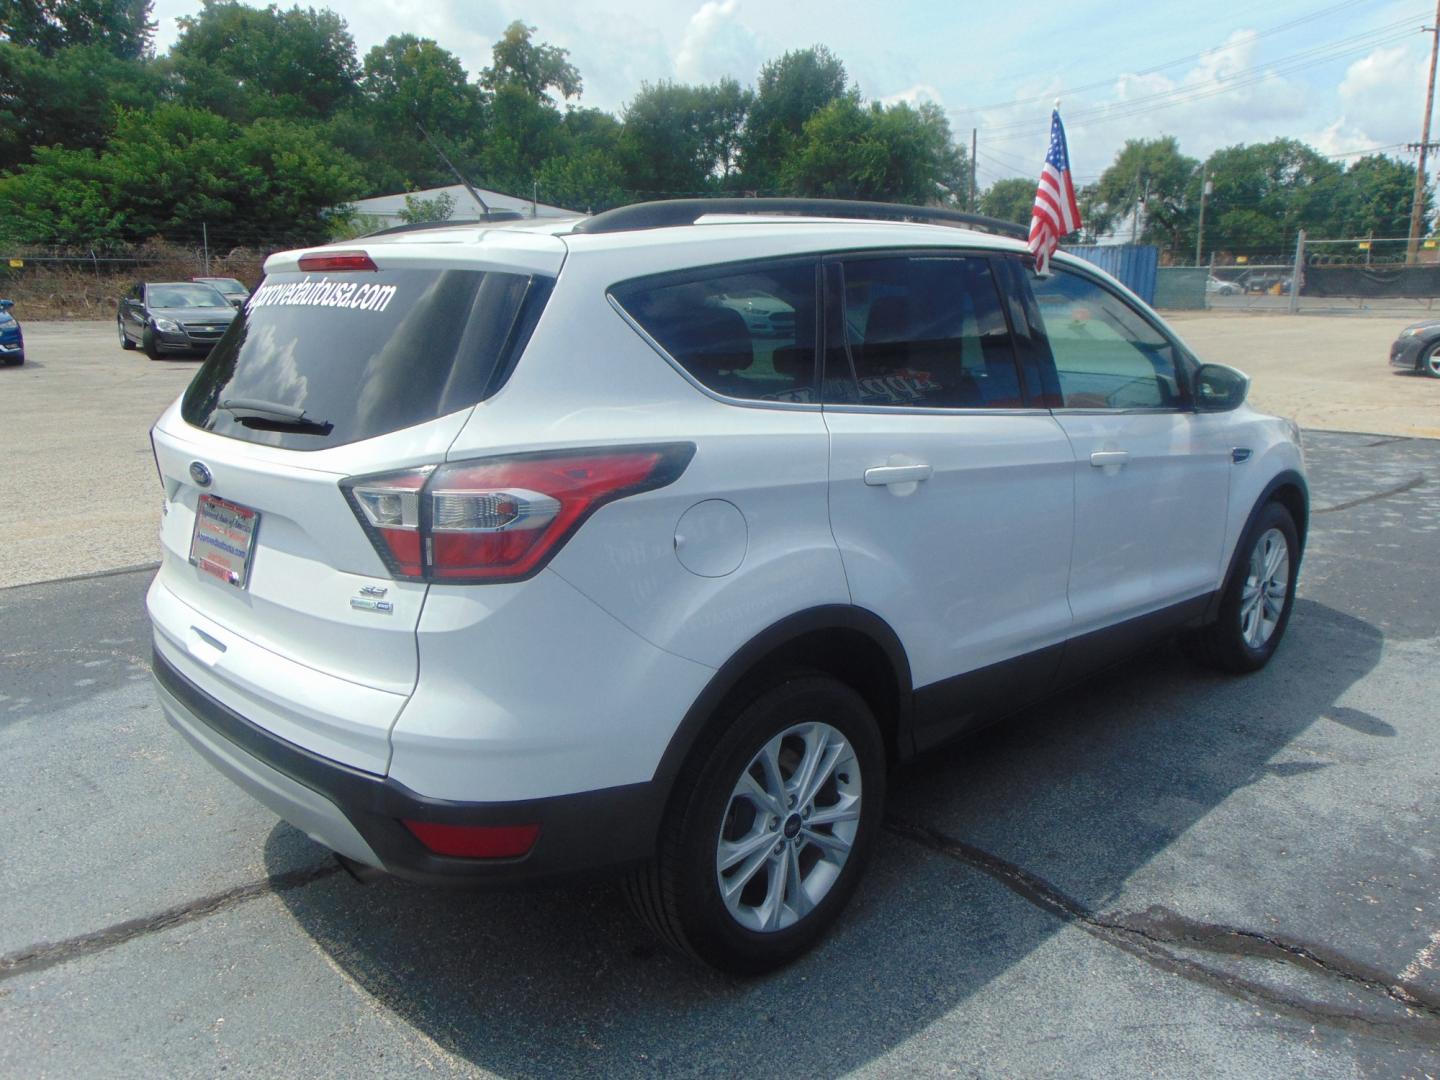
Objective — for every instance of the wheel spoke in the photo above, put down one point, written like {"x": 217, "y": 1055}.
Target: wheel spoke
{"x": 734, "y": 885}
{"x": 734, "y": 851}
{"x": 769, "y": 759}
{"x": 799, "y": 899}
{"x": 751, "y": 789}
{"x": 774, "y": 906}
{"x": 1273, "y": 556}
{"x": 833, "y": 755}
{"x": 816, "y": 743}
{"x": 833, "y": 847}
{"x": 847, "y": 809}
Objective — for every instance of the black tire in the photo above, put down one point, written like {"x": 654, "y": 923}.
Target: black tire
{"x": 147, "y": 342}
{"x": 125, "y": 342}
{"x": 1430, "y": 361}
{"x": 678, "y": 893}
{"x": 1223, "y": 643}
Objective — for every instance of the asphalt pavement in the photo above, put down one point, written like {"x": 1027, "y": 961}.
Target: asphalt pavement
{"x": 1165, "y": 872}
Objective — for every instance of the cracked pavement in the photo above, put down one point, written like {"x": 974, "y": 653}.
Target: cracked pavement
{"x": 1164, "y": 872}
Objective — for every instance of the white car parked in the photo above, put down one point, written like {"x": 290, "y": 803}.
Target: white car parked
{"x": 506, "y": 553}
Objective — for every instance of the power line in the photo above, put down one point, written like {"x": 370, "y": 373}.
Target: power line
{"x": 1101, "y": 84}
{"x": 1333, "y": 50}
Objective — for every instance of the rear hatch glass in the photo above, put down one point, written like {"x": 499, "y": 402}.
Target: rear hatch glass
{"x": 320, "y": 360}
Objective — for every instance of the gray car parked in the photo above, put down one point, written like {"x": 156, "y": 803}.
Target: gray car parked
{"x": 1418, "y": 348}
{"x": 172, "y": 317}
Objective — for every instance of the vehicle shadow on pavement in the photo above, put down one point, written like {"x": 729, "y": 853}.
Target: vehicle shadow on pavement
{"x": 1082, "y": 792}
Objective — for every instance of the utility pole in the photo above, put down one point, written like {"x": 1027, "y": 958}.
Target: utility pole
{"x": 974, "y": 145}
{"x": 1205, "y": 188}
{"x": 1144, "y": 202}
{"x": 1296, "y": 272}
{"x": 1412, "y": 249}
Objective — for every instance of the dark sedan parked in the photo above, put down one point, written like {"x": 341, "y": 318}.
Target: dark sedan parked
{"x": 12, "y": 341}
{"x": 1418, "y": 348}
{"x": 231, "y": 288}
{"x": 173, "y": 317}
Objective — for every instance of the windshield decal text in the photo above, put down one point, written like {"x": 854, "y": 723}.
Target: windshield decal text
{"x": 324, "y": 292}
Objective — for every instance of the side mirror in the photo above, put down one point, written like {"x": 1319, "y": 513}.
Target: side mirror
{"x": 6, "y": 305}
{"x": 1219, "y": 388}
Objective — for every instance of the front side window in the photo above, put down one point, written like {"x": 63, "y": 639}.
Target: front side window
{"x": 918, "y": 330}
{"x": 1107, "y": 356}
{"x": 746, "y": 333}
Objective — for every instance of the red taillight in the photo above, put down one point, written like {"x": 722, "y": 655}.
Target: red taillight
{"x": 500, "y": 519}
{"x": 475, "y": 841}
{"x": 338, "y": 260}
{"x": 389, "y": 511}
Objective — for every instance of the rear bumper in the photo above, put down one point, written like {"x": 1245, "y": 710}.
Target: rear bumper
{"x": 358, "y": 814}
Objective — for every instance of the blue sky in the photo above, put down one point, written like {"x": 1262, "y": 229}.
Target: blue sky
{"x": 1350, "y": 79}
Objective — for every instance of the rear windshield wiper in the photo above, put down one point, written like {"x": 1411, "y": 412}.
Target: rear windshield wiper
{"x": 274, "y": 416}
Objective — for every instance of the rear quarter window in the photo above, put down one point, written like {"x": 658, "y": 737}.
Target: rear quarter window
{"x": 363, "y": 354}
{"x": 745, "y": 332}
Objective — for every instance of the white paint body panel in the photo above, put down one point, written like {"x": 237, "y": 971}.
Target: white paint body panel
{"x": 970, "y": 565}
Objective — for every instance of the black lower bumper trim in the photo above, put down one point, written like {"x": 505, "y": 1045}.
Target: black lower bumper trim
{"x": 583, "y": 833}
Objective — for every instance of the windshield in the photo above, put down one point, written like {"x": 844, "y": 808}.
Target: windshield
{"x": 362, "y": 354}
{"x": 183, "y": 296}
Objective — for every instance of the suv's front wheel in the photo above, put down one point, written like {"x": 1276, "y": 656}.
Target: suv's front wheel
{"x": 1255, "y": 607}
{"x": 770, "y": 829}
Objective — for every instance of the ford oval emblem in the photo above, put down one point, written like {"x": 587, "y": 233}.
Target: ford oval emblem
{"x": 200, "y": 474}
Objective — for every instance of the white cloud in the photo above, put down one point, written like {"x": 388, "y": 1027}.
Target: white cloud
{"x": 717, "y": 44}
{"x": 1381, "y": 99}
{"x": 919, "y": 94}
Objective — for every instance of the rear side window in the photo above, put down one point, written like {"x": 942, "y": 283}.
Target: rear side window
{"x": 918, "y": 330}
{"x": 745, "y": 333}
{"x": 362, "y": 354}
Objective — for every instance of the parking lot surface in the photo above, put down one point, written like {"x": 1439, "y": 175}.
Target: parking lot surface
{"x": 1164, "y": 872}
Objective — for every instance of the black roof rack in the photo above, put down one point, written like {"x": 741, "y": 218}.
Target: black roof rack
{"x": 453, "y": 223}
{"x": 668, "y": 214}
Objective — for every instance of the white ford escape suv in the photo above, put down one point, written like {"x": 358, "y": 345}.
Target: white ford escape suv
{"x": 649, "y": 541}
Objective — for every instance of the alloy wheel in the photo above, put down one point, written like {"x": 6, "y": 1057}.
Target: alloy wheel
{"x": 788, "y": 828}
{"x": 1262, "y": 601}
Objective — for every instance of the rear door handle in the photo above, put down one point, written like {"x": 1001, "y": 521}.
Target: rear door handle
{"x": 1101, "y": 458}
{"x": 881, "y": 475}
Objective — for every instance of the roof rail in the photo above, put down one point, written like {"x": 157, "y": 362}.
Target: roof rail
{"x": 450, "y": 223}
{"x": 673, "y": 212}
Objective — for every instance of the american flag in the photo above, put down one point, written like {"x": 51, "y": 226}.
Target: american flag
{"x": 1055, "y": 213}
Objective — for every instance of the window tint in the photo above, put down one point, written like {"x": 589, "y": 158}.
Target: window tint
{"x": 919, "y": 330}
{"x": 363, "y": 353}
{"x": 746, "y": 334}
{"x": 1106, "y": 355}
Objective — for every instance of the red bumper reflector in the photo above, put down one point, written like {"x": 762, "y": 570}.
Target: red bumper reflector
{"x": 475, "y": 841}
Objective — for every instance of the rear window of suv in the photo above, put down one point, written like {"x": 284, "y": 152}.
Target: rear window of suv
{"x": 743, "y": 331}
{"x": 362, "y": 354}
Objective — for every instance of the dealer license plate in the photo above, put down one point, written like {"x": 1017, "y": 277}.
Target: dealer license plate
{"x": 224, "y": 539}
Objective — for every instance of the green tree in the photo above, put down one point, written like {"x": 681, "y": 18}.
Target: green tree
{"x": 791, "y": 90}
{"x": 1374, "y": 198}
{"x": 1009, "y": 200}
{"x": 1153, "y": 178}
{"x": 531, "y": 68}
{"x": 1264, "y": 193}
{"x": 419, "y": 209}
{"x": 245, "y": 62}
{"x": 682, "y": 140}
{"x": 586, "y": 174}
{"x": 165, "y": 171}
{"x": 410, "y": 80}
{"x": 853, "y": 151}
{"x": 122, "y": 28}
{"x": 67, "y": 99}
